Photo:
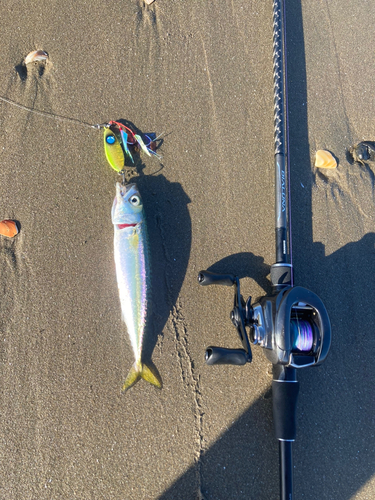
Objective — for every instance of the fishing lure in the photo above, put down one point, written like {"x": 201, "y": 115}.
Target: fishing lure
{"x": 113, "y": 150}
{"x": 133, "y": 275}
{"x": 118, "y": 141}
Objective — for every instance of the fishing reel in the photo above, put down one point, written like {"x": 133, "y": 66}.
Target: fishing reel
{"x": 293, "y": 327}
{"x": 291, "y": 324}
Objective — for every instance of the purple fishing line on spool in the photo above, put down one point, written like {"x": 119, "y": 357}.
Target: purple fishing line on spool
{"x": 302, "y": 335}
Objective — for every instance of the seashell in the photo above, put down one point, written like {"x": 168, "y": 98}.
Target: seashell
{"x": 325, "y": 159}
{"x": 8, "y": 228}
{"x": 36, "y": 55}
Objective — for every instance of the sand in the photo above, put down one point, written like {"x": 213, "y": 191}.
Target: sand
{"x": 201, "y": 72}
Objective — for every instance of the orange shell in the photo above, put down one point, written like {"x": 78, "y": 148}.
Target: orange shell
{"x": 8, "y": 228}
{"x": 325, "y": 159}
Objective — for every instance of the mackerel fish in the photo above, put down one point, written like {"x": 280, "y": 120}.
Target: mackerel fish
{"x": 133, "y": 275}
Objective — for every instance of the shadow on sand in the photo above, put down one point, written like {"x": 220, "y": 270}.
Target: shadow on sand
{"x": 334, "y": 452}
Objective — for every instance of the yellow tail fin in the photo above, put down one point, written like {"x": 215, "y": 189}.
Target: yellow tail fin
{"x": 141, "y": 370}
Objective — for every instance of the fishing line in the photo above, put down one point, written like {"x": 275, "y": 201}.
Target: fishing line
{"x": 51, "y": 115}
{"x": 303, "y": 335}
{"x": 97, "y": 126}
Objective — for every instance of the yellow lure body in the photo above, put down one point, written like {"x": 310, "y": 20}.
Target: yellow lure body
{"x": 113, "y": 150}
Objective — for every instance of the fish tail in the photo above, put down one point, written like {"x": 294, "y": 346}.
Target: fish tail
{"x": 141, "y": 370}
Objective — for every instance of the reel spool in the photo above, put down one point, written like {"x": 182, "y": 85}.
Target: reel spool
{"x": 302, "y": 334}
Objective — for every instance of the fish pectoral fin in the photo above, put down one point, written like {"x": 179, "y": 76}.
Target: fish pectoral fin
{"x": 141, "y": 370}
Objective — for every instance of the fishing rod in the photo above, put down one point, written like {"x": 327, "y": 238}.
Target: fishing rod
{"x": 291, "y": 324}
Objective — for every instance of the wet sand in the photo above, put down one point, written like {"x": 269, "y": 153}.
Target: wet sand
{"x": 201, "y": 72}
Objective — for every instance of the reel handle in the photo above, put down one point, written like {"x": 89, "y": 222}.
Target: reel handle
{"x": 206, "y": 278}
{"x": 224, "y": 356}
{"x": 221, "y": 355}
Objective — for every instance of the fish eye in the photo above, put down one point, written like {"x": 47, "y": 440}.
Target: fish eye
{"x": 110, "y": 139}
{"x": 135, "y": 200}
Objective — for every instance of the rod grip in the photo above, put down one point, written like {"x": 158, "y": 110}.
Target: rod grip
{"x": 284, "y": 399}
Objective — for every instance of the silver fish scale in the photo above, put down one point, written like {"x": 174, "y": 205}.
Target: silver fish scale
{"x": 132, "y": 271}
